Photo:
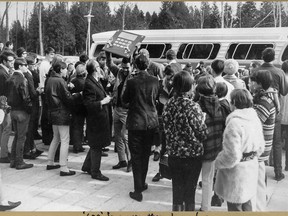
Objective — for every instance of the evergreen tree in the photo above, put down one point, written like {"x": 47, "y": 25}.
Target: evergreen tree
{"x": 215, "y": 17}
{"x": 249, "y": 14}
{"x": 154, "y": 21}
{"x": 17, "y": 35}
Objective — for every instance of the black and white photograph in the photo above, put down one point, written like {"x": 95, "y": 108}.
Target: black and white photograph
{"x": 132, "y": 106}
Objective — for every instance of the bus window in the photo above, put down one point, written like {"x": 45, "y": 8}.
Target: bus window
{"x": 201, "y": 51}
{"x": 143, "y": 46}
{"x": 98, "y": 49}
{"x": 256, "y": 51}
{"x": 155, "y": 50}
{"x": 187, "y": 51}
{"x": 241, "y": 51}
{"x": 231, "y": 50}
{"x": 181, "y": 51}
{"x": 215, "y": 51}
{"x": 167, "y": 47}
{"x": 285, "y": 54}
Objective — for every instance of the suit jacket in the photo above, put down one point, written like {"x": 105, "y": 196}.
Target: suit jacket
{"x": 98, "y": 126}
{"x": 141, "y": 93}
{"x": 31, "y": 88}
{"x": 278, "y": 75}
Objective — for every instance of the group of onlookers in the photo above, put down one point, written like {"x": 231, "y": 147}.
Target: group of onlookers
{"x": 217, "y": 120}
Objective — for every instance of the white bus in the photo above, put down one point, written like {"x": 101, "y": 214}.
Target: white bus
{"x": 194, "y": 45}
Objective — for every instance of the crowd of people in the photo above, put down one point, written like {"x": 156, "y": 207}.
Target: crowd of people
{"x": 219, "y": 120}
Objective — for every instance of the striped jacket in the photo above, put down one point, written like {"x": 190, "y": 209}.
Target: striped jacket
{"x": 265, "y": 107}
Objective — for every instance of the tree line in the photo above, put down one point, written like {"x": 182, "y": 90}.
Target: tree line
{"x": 65, "y": 27}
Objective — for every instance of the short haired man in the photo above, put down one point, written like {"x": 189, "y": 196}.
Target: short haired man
{"x": 217, "y": 70}
{"x": 44, "y": 67}
{"x": 171, "y": 58}
{"x": 78, "y": 111}
{"x": 7, "y": 59}
{"x": 83, "y": 59}
{"x": 21, "y": 106}
{"x": 9, "y": 45}
{"x": 98, "y": 127}
{"x": 142, "y": 121}
{"x": 279, "y": 83}
{"x": 122, "y": 74}
{"x": 21, "y": 52}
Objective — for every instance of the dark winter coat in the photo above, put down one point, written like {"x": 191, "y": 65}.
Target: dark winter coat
{"x": 98, "y": 127}
{"x": 59, "y": 100}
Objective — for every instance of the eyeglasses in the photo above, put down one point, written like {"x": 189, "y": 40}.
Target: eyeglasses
{"x": 24, "y": 65}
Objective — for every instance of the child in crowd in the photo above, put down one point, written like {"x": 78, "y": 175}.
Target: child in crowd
{"x": 215, "y": 121}
{"x": 264, "y": 104}
{"x": 237, "y": 164}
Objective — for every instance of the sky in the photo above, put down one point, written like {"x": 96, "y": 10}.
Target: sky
{"x": 145, "y": 6}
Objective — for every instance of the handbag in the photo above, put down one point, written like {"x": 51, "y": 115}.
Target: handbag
{"x": 164, "y": 167}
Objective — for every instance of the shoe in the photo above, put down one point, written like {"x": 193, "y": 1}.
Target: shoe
{"x": 67, "y": 173}
{"x": 279, "y": 177}
{"x": 78, "y": 150}
{"x": 86, "y": 170}
{"x": 136, "y": 196}
{"x": 100, "y": 177}
{"x": 29, "y": 156}
{"x": 200, "y": 184}
{"x": 12, "y": 164}
{"x": 145, "y": 187}
{"x": 24, "y": 166}
{"x": 129, "y": 166}
{"x": 216, "y": 201}
{"x": 105, "y": 149}
{"x": 51, "y": 167}
{"x": 120, "y": 165}
{"x": 103, "y": 154}
{"x": 11, "y": 205}
{"x": 37, "y": 153}
{"x": 157, "y": 177}
{"x": 4, "y": 160}
{"x": 156, "y": 156}
{"x": 37, "y": 136}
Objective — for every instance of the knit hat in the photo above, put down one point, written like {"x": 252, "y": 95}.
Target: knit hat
{"x": 231, "y": 66}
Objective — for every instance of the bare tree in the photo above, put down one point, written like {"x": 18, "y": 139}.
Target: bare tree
{"x": 40, "y": 29}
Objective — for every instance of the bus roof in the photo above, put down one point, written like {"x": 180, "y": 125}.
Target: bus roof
{"x": 279, "y": 33}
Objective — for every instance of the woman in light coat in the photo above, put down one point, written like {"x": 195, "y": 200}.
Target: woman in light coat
{"x": 237, "y": 163}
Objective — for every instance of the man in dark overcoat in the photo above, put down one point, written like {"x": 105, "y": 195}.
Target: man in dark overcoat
{"x": 98, "y": 127}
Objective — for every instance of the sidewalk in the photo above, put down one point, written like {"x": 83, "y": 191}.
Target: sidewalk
{"x": 42, "y": 190}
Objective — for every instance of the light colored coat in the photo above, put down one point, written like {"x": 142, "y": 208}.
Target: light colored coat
{"x": 236, "y": 181}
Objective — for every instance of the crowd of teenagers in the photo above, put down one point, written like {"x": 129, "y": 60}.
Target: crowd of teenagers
{"x": 217, "y": 120}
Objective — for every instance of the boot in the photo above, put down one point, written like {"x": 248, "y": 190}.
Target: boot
{"x": 177, "y": 207}
{"x": 189, "y": 207}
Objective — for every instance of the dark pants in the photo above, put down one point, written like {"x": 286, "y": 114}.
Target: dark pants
{"x": 92, "y": 161}
{"x": 139, "y": 143}
{"x": 284, "y": 131}
{"x": 277, "y": 147}
{"x": 36, "y": 113}
{"x": 29, "y": 143}
{"x": 76, "y": 130}
{"x": 46, "y": 127}
{"x": 20, "y": 121}
{"x": 239, "y": 206}
{"x": 185, "y": 173}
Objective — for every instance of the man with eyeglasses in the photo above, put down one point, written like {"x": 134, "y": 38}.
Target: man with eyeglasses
{"x": 6, "y": 67}
{"x": 21, "y": 107}
{"x": 30, "y": 150}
